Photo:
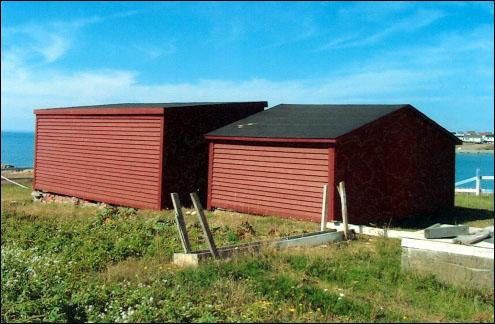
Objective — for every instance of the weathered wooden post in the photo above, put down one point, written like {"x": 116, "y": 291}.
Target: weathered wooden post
{"x": 181, "y": 226}
{"x": 478, "y": 182}
{"x": 204, "y": 225}
{"x": 343, "y": 203}
{"x": 324, "y": 208}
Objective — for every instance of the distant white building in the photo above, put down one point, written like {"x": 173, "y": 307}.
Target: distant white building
{"x": 473, "y": 139}
{"x": 459, "y": 135}
{"x": 487, "y": 137}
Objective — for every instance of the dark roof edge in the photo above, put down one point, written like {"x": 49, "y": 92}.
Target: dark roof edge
{"x": 134, "y": 108}
{"x": 239, "y": 103}
{"x": 269, "y": 139}
{"x": 419, "y": 114}
{"x": 375, "y": 120}
{"x": 155, "y": 105}
{"x": 101, "y": 111}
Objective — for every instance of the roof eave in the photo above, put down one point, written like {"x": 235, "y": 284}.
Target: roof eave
{"x": 270, "y": 139}
{"x": 101, "y": 111}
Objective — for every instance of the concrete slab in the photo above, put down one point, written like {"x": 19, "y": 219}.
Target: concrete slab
{"x": 459, "y": 265}
{"x": 456, "y": 269}
{"x": 443, "y": 230}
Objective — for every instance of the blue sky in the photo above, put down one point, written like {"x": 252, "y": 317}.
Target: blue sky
{"x": 437, "y": 56}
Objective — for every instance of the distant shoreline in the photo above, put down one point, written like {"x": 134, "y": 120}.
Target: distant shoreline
{"x": 470, "y": 148}
{"x": 475, "y": 152}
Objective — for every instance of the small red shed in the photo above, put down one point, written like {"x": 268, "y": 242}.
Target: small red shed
{"x": 395, "y": 162}
{"x": 129, "y": 154}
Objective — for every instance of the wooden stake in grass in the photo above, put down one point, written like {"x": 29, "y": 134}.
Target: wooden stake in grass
{"x": 324, "y": 208}
{"x": 181, "y": 226}
{"x": 343, "y": 203}
{"x": 204, "y": 224}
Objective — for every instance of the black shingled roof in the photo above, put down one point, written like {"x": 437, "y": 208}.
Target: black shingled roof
{"x": 160, "y": 105}
{"x": 306, "y": 121}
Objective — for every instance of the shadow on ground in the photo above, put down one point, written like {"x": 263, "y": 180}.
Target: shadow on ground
{"x": 458, "y": 215}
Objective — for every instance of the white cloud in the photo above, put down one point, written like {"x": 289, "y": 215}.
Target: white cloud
{"x": 49, "y": 42}
{"x": 42, "y": 89}
{"x": 416, "y": 74}
{"x": 394, "y": 77}
{"x": 54, "y": 48}
{"x": 374, "y": 10}
{"x": 34, "y": 43}
{"x": 420, "y": 19}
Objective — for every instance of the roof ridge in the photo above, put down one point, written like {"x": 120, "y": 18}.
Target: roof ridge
{"x": 311, "y": 121}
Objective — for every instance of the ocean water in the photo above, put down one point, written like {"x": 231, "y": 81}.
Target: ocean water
{"x": 466, "y": 165}
{"x": 18, "y": 150}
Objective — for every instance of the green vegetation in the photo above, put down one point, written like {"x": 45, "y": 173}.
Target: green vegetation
{"x": 476, "y": 211}
{"x": 480, "y": 208}
{"x": 70, "y": 263}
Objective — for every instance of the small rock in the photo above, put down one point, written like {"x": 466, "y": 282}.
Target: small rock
{"x": 90, "y": 204}
{"x": 101, "y": 205}
{"x": 36, "y": 194}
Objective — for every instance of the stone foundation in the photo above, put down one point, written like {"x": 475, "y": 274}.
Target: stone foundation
{"x": 45, "y": 197}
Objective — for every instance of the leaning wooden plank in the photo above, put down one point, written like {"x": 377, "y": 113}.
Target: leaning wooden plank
{"x": 473, "y": 238}
{"x": 181, "y": 225}
{"x": 442, "y": 231}
{"x": 204, "y": 224}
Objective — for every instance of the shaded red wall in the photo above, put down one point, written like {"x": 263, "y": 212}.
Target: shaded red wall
{"x": 397, "y": 166}
{"x": 185, "y": 160}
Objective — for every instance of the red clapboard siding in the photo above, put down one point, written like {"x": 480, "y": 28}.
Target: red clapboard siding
{"x": 113, "y": 159}
{"x": 269, "y": 179}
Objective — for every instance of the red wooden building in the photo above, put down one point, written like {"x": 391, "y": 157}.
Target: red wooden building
{"x": 395, "y": 162}
{"x": 129, "y": 154}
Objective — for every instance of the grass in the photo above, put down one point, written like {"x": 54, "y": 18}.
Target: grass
{"x": 475, "y": 211}
{"x": 69, "y": 263}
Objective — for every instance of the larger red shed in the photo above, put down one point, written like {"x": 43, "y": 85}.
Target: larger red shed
{"x": 129, "y": 154}
{"x": 395, "y": 162}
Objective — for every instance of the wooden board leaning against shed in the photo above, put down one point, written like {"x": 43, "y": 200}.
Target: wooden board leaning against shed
{"x": 190, "y": 258}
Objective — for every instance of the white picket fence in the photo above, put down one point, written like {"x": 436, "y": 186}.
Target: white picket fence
{"x": 477, "y": 189}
